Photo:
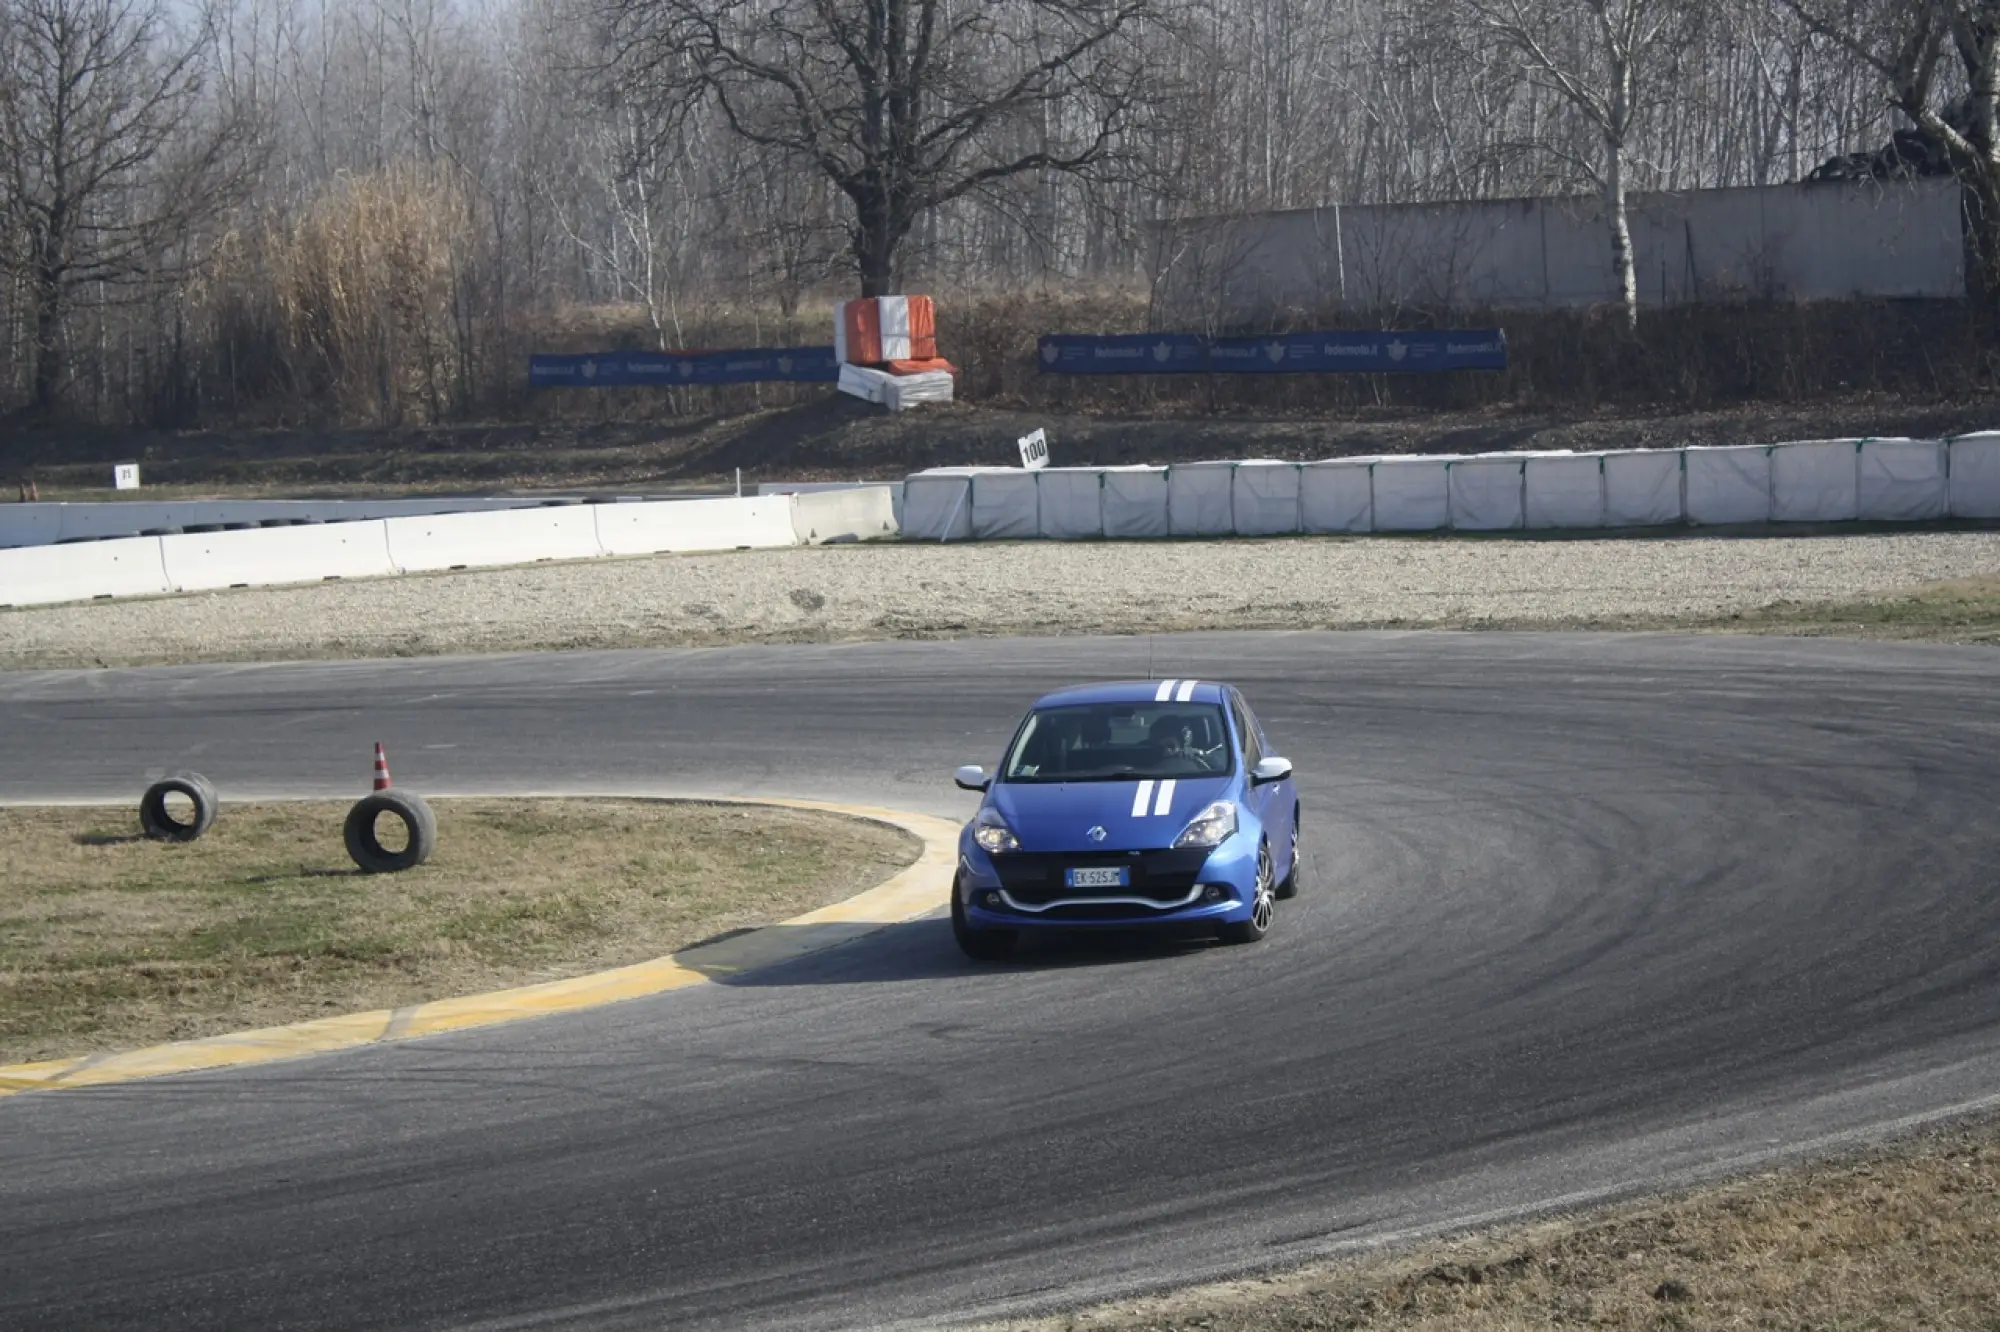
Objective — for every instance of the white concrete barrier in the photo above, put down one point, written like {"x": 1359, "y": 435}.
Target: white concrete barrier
{"x": 1199, "y": 499}
{"x": 1728, "y": 484}
{"x": 1642, "y": 488}
{"x": 1006, "y": 505}
{"x": 204, "y": 561}
{"x": 1135, "y": 502}
{"x": 1486, "y": 492}
{"x": 864, "y": 514}
{"x": 1563, "y": 490}
{"x": 1975, "y": 476}
{"x": 119, "y": 518}
{"x": 484, "y": 540}
{"x": 1901, "y": 480}
{"x": 1072, "y": 503}
{"x": 1266, "y": 498}
{"x": 937, "y": 505}
{"x": 1412, "y": 494}
{"x": 46, "y": 575}
{"x": 665, "y": 527}
{"x": 1816, "y": 481}
{"x": 1337, "y": 496}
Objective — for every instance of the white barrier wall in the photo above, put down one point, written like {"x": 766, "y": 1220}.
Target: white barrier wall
{"x": 142, "y": 566}
{"x": 41, "y": 575}
{"x": 1265, "y": 498}
{"x": 1006, "y": 506}
{"x": 1199, "y": 501}
{"x": 1728, "y": 485}
{"x": 1642, "y": 488}
{"x": 41, "y": 523}
{"x": 675, "y": 527}
{"x": 1564, "y": 490}
{"x": 1135, "y": 502}
{"x": 1975, "y": 476}
{"x": 516, "y": 536}
{"x": 1816, "y": 481}
{"x": 937, "y": 506}
{"x": 1900, "y": 480}
{"x": 1072, "y": 503}
{"x": 1486, "y": 493}
{"x": 1337, "y": 496}
{"x": 818, "y": 517}
{"x": 1412, "y": 494}
{"x": 201, "y": 562}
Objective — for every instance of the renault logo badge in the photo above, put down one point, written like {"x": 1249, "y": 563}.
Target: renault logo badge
{"x": 1097, "y": 834}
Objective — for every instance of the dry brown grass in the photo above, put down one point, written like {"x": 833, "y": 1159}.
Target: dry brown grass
{"x": 1959, "y": 610}
{"x": 1907, "y": 1236}
{"x": 108, "y": 940}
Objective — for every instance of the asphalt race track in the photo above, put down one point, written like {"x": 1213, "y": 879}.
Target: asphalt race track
{"x": 1583, "y": 914}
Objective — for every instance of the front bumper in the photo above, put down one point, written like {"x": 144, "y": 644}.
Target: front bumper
{"x": 1026, "y": 890}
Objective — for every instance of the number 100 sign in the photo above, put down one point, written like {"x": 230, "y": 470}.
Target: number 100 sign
{"x": 1034, "y": 449}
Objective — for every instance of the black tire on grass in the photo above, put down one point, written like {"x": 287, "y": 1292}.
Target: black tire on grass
{"x": 367, "y": 849}
{"x": 164, "y": 827}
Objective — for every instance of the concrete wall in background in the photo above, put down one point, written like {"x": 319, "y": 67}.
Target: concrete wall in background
{"x": 1783, "y": 242}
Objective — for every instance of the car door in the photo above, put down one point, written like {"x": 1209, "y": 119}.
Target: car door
{"x": 1272, "y": 802}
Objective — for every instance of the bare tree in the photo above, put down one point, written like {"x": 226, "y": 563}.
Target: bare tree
{"x": 1600, "y": 58}
{"x": 905, "y": 105}
{"x": 110, "y": 155}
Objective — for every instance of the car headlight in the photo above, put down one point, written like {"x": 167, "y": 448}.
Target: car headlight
{"x": 993, "y": 834}
{"x": 1212, "y": 827}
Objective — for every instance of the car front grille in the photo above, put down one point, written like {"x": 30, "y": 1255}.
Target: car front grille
{"x": 1036, "y": 877}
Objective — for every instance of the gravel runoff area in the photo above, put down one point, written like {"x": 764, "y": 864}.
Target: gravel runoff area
{"x": 839, "y": 593}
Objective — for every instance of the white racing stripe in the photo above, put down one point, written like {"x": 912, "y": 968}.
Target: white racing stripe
{"x": 1139, "y": 801}
{"x": 1166, "y": 688}
{"x": 1186, "y": 691}
{"x": 1166, "y": 801}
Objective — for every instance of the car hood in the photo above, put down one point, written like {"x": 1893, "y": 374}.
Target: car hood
{"x": 1060, "y": 816}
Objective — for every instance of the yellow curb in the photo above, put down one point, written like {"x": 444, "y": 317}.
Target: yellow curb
{"x": 916, "y": 891}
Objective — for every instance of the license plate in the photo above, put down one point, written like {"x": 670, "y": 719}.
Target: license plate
{"x": 1115, "y": 876}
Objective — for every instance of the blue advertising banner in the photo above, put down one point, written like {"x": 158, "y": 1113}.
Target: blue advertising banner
{"x": 791, "y": 365}
{"x": 1278, "y": 353}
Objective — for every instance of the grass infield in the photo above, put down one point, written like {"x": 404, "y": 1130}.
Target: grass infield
{"x": 110, "y": 941}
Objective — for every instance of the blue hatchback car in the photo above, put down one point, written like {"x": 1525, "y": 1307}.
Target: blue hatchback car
{"x": 1154, "y": 802}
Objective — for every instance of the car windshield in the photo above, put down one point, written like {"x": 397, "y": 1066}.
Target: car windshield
{"x": 1113, "y": 742}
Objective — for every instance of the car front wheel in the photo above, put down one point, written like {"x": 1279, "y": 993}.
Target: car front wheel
{"x": 979, "y": 945}
{"x": 1261, "y": 904}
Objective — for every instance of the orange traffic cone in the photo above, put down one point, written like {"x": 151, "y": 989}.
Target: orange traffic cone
{"x": 381, "y": 768}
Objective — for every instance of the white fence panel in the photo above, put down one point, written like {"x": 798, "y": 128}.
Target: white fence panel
{"x": 1642, "y": 488}
{"x": 1729, "y": 484}
{"x": 1199, "y": 499}
{"x": 1072, "y": 503}
{"x": 1005, "y": 506}
{"x": 1412, "y": 494}
{"x": 1336, "y": 496}
{"x": 1901, "y": 480}
{"x": 1563, "y": 490}
{"x": 1816, "y": 481}
{"x": 1135, "y": 502}
{"x": 1266, "y": 498}
{"x": 661, "y": 527}
{"x": 505, "y": 536}
{"x": 863, "y": 514}
{"x": 1975, "y": 476}
{"x": 1485, "y": 493}
{"x": 201, "y": 562}
{"x": 937, "y": 506}
{"x": 30, "y": 524}
{"x": 44, "y": 575}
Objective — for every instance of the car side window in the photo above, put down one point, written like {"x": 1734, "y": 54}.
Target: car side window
{"x": 1246, "y": 726}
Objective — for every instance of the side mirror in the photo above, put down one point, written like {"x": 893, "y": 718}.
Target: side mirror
{"x": 1270, "y": 770}
{"x": 972, "y": 777}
